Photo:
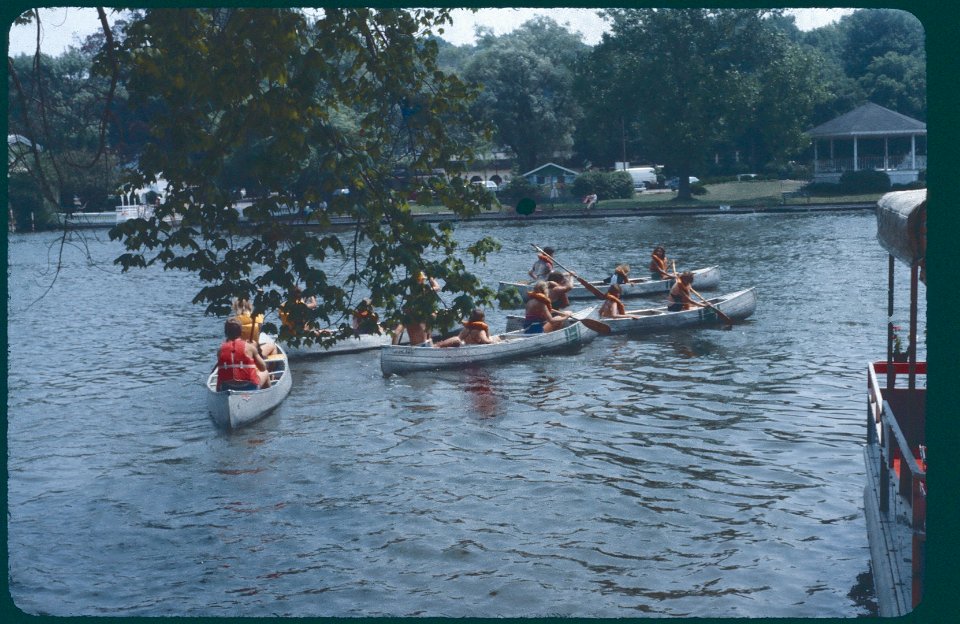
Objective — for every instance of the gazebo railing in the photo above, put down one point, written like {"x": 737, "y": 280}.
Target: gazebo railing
{"x": 898, "y": 162}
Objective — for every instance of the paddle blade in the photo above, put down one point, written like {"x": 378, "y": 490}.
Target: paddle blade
{"x": 601, "y": 328}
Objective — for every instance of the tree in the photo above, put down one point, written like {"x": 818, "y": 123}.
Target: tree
{"x": 701, "y": 73}
{"x": 870, "y": 33}
{"x": 63, "y": 111}
{"x": 527, "y": 88}
{"x": 338, "y": 103}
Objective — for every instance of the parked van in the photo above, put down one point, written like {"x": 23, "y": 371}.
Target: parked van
{"x": 642, "y": 176}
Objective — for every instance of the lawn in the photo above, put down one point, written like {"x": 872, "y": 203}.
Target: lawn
{"x": 745, "y": 193}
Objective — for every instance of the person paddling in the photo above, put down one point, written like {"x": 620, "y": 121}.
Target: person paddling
{"x": 679, "y": 297}
{"x": 613, "y": 306}
{"x": 558, "y": 285}
{"x": 239, "y": 366}
{"x": 658, "y": 264}
{"x": 540, "y": 316}
{"x": 543, "y": 266}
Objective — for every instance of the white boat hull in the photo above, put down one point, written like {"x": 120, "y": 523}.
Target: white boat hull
{"x": 703, "y": 279}
{"x": 355, "y": 344}
{"x": 231, "y": 409}
{"x": 398, "y": 359}
{"x": 737, "y": 305}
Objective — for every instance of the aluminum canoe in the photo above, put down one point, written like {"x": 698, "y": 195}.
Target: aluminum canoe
{"x": 736, "y": 305}
{"x": 703, "y": 279}
{"x": 231, "y": 409}
{"x": 399, "y": 359}
{"x": 353, "y": 344}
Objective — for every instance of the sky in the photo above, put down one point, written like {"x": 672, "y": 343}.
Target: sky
{"x": 65, "y": 26}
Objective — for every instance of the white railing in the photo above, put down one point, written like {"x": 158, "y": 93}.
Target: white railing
{"x": 899, "y": 162}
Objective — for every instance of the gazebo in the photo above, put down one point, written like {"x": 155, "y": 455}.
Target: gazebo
{"x": 870, "y": 137}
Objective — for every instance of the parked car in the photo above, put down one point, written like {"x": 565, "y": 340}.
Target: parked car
{"x": 490, "y": 185}
{"x": 674, "y": 182}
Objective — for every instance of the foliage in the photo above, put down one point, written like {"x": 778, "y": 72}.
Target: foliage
{"x": 517, "y": 188}
{"x": 606, "y": 184}
{"x": 719, "y": 74}
{"x": 527, "y": 93}
{"x": 864, "y": 181}
{"x": 307, "y": 108}
{"x": 62, "y": 108}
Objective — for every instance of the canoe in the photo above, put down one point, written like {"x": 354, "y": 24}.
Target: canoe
{"x": 234, "y": 408}
{"x": 737, "y": 305}
{"x": 355, "y": 344}
{"x": 703, "y": 279}
{"x": 398, "y": 359}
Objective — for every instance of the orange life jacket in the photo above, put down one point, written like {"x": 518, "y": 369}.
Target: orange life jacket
{"x": 619, "y": 308}
{"x": 477, "y": 325}
{"x": 233, "y": 363}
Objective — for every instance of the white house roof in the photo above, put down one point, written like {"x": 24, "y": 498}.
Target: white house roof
{"x": 869, "y": 119}
{"x": 549, "y": 164}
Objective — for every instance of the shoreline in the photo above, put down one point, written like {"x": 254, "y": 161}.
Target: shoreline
{"x": 101, "y": 220}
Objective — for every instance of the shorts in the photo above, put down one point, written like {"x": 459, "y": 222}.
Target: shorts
{"x": 675, "y": 307}
{"x": 533, "y": 327}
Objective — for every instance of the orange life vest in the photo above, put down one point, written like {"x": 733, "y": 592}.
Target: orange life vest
{"x": 619, "y": 308}
{"x": 233, "y": 363}
{"x": 477, "y": 325}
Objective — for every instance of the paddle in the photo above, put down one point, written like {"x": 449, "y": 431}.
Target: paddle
{"x": 723, "y": 317}
{"x": 601, "y": 328}
{"x": 593, "y": 289}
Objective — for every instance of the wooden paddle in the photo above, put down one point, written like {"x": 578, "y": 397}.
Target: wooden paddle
{"x": 723, "y": 317}
{"x": 593, "y": 289}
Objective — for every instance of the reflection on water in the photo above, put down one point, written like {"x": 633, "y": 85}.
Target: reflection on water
{"x": 704, "y": 473}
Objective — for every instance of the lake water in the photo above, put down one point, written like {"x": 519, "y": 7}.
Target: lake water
{"x": 702, "y": 473}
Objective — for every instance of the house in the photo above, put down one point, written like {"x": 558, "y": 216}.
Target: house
{"x": 550, "y": 173}
{"x": 870, "y": 137}
{"x": 493, "y": 166}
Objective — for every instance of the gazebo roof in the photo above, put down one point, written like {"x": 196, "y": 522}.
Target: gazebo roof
{"x": 869, "y": 120}
{"x": 548, "y": 166}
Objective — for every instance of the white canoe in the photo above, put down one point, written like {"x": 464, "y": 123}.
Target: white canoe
{"x": 353, "y": 344}
{"x": 235, "y": 408}
{"x": 736, "y": 305}
{"x": 703, "y": 279}
{"x": 404, "y": 358}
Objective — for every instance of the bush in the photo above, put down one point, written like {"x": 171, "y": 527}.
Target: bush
{"x": 822, "y": 189}
{"x": 517, "y": 188}
{"x": 867, "y": 181}
{"x": 606, "y": 184}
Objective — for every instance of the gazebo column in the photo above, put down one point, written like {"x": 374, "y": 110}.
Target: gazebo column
{"x": 816, "y": 159}
{"x": 913, "y": 152}
{"x": 856, "y": 156}
{"x": 886, "y": 154}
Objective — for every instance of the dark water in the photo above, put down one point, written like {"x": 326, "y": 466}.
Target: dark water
{"x": 702, "y": 473}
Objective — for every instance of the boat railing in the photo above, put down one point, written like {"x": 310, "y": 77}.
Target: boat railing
{"x": 895, "y": 422}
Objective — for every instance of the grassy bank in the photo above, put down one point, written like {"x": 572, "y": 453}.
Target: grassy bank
{"x": 746, "y": 193}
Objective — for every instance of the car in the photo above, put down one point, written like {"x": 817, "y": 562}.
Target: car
{"x": 674, "y": 182}
{"x": 490, "y": 185}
